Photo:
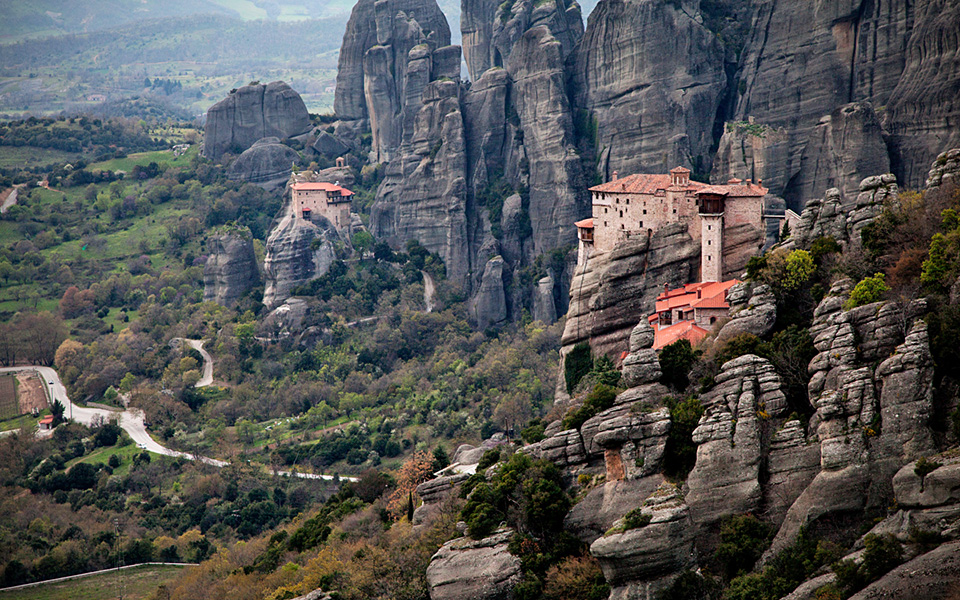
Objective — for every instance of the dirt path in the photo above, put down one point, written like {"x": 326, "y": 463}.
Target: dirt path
{"x": 30, "y": 395}
{"x": 207, "y": 377}
{"x": 9, "y": 198}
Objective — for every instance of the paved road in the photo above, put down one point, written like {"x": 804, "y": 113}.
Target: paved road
{"x": 10, "y": 200}
{"x": 131, "y": 420}
{"x": 207, "y": 377}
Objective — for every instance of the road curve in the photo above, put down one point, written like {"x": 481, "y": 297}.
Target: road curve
{"x": 131, "y": 420}
{"x": 207, "y": 377}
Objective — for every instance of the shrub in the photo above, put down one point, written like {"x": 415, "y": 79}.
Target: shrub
{"x": 576, "y": 365}
{"x": 676, "y": 360}
{"x": 867, "y": 291}
{"x": 599, "y": 400}
{"x": 743, "y": 539}
{"x": 924, "y": 467}
{"x": 575, "y": 578}
{"x": 681, "y": 453}
{"x": 489, "y": 458}
{"x": 636, "y": 519}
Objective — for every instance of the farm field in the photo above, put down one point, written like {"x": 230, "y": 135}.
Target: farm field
{"x": 9, "y": 408}
{"x": 137, "y": 584}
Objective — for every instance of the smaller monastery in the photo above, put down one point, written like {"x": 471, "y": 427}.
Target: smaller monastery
{"x": 689, "y": 312}
{"x": 313, "y": 199}
{"x": 641, "y": 203}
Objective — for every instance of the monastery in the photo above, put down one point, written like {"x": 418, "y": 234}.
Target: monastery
{"x": 312, "y": 199}
{"x": 642, "y": 203}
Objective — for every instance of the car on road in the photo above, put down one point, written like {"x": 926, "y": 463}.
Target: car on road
{"x": 50, "y": 382}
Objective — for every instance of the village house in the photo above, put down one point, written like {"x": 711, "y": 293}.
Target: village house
{"x": 689, "y": 312}
{"x": 641, "y": 203}
{"x": 313, "y": 199}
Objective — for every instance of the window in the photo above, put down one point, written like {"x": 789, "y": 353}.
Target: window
{"x": 621, "y": 225}
{"x": 604, "y": 211}
{"x": 621, "y": 214}
{"x": 709, "y": 243}
{"x": 679, "y": 315}
{"x": 709, "y": 227}
{"x": 674, "y": 211}
{"x": 618, "y": 200}
{"x": 644, "y": 211}
{"x": 628, "y": 200}
{"x": 641, "y": 223}
{"x": 713, "y": 320}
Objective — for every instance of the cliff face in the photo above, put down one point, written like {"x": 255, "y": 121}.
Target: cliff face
{"x": 251, "y": 113}
{"x": 267, "y": 163}
{"x": 649, "y": 79}
{"x": 231, "y": 269}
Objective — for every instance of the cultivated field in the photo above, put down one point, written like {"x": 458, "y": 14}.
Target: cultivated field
{"x": 137, "y": 584}
{"x": 8, "y": 397}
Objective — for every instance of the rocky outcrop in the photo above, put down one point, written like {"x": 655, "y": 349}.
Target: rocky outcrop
{"x": 285, "y": 321}
{"x": 267, "y": 163}
{"x": 544, "y": 307}
{"x": 944, "y": 170}
{"x": 740, "y": 414}
{"x": 489, "y": 306}
{"x": 292, "y": 256}
{"x": 923, "y": 109}
{"x": 755, "y": 151}
{"x": 231, "y": 269}
{"x": 755, "y": 314}
{"x": 251, "y": 113}
{"x": 932, "y": 576}
{"x": 613, "y": 289}
{"x": 833, "y": 216}
{"x": 869, "y": 421}
{"x": 844, "y": 146}
{"x": 329, "y": 146}
{"x": 434, "y": 493}
{"x": 639, "y": 564}
{"x": 649, "y": 77}
{"x": 467, "y": 569}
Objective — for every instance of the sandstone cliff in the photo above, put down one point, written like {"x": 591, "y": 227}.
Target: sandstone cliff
{"x": 253, "y": 112}
{"x": 231, "y": 269}
{"x": 267, "y": 163}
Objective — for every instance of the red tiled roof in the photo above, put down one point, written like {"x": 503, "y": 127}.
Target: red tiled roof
{"x": 684, "y": 330}
{"x": 585, "y": 224}
{"x": 321, "y": 186}
{"x": 641, "y": 183}
{"x": 47, "y": 419}
{"x": 679, "y": 170}
{"x": 712, "y": 295}
{"x": 735, "y": 191}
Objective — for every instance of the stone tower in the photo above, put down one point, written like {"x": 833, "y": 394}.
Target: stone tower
{"x": 711, "y": 236}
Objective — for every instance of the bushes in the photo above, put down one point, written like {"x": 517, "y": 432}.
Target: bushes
{"x": 680, "y": 454}
{"x": 743, "y": 539}
{"x": 599, "y": 400}
{"x": 785, "y": 572}
{"x": 675, "y": 362}
{"x": 576, "y": 365}
{"x": 635, "y": 519}
{"x": 867, "y": 291}
{"x": 882, "y": 553}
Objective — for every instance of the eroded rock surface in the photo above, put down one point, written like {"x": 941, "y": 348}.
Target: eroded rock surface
{"x": 467, "y": 569}
{"x": 231, "y": 269}
{"x": 251, "y": 113}
{"x": 266, "y": 163}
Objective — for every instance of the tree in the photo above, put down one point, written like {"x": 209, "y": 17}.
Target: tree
{"x": 42, "y": 333}
{"x": 577, "y": 363}
{"x": 57, "y": 409}
{"x": 936, "y": 267}
{"x": 440, "y": 458}
{"x": 362, "y": 241}
{"x": 867, "y": 291}
{"x": 676, "y": 359}
{"x": 416, "y": 470}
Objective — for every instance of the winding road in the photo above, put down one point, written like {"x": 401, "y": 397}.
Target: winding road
{"x": 131, "y": 420}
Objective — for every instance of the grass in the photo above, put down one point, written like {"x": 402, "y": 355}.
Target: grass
{"x": 9, "y": 408}
{"x": 102, "y": 455}
{"x": 28, "y": 421}
{"x": 24, "y": 156}
{"x": 145, "y": 158}
{"x": 138, "y": 583}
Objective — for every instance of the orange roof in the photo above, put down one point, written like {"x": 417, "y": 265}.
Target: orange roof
{"x": 711, "y": 295}
{"x": 585, "y": 224}
{"x": 641, "y": 183}
{"x": 321, "y": 186}
{"x": 679, "y": 170}
{"x": 684, "y": 330}
{"x": 735, "y": 191}
{"x": 47, "y": 419}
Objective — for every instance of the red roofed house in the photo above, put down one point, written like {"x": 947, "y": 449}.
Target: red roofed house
{"x": 641, "y": 203}
{"x": 689, "y": 312}
{"x": 46, "y": 422}
{"x": 585, "y": 237}
{"x": 317, "y": 198}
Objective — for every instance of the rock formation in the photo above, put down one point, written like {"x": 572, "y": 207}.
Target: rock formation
{"x": 297, "y": 251}
{"x": 740, "y": 413}
{"x": 489, "y": 306}
{"x": 251, "y": 113}
{"x": 753, "y": 309}
{"x": 231, "y": 269}
{"x": 466, "y": 569}
{"x": 641, "y": 563}
{"x": 266, "y": 163}
{"x": 649, "y": 79}
{"x": 612, "y": 290}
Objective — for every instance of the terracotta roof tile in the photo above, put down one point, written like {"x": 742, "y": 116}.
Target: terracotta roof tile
{"x": 640, "y": 183}
{"x": 321, "y": 186}
{"x": 684, "y": 330}
{"x": 585, "y": 224}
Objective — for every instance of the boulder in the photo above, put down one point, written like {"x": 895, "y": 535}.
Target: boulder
{"x": 544, "y": 308}
{"x": 329, "y": 146}
{"x": 639, "y": 564}
{"x": 231, "y": 269}
{"x": 266, "y": 163}
{"x": 434, "y": 493}
{"x": 931, "y": 576}
{"x": 756, "y": 316}
{"x": 467, "y": 569}
{"x": 251, "y": 113}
